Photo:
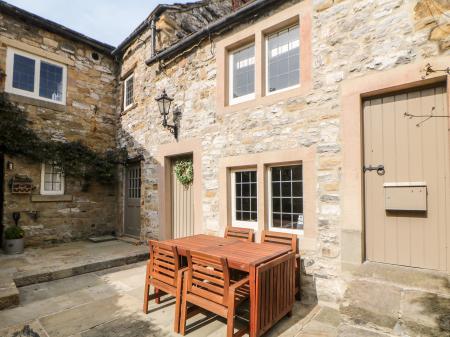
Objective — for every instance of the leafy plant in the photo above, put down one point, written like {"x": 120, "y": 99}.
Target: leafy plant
{"x": 184, "y": 171}
{"x": 75, "y": 159}
{"x": 14, "y": 232}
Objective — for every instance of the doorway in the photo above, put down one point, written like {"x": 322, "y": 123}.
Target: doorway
{"x": 406, "y": 177}
{"x": 132, "y": 221}
{"x": 182, "y": 203}
{"x": 2, "y": 195}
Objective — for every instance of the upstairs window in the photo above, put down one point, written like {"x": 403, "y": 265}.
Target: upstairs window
{"x": 52, "y": 180}
{"x": 283, "y": 60}
{"x": 244, "y": 198}
{"x": 128, "y": 97}
{"x": 32, "y": 76}
{"x": 242, "y": 74}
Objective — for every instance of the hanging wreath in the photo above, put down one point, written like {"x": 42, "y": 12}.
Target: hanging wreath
{"x": 184, "y": 171}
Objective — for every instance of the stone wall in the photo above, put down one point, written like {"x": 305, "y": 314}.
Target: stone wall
{"x": 88, "y": 116}
{"x": 350, "y": 38}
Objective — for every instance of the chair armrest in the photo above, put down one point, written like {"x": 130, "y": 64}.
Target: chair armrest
{"x": 239, "y": 284}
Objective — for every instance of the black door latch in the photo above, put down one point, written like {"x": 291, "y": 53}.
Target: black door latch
{"x": 380, "y": 169}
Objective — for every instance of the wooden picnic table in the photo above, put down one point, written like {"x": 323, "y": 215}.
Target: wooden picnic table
{"x": 254, "y": 258}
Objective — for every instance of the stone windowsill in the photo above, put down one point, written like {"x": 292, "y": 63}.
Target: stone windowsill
{"x": 36, "y": 102}
{"x": 131, "y": 107}
{"x": 51, "y": 198}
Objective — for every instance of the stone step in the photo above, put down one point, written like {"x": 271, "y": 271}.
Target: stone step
{"x": 398, "y": 301}
{"x": 9, "y": 294}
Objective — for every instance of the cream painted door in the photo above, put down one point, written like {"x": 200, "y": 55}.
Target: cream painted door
{"x": 182, "y": 205}
{"x": 414, "y": 152}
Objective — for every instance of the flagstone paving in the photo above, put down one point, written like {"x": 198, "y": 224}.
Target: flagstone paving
{"x": 109, "y": 303}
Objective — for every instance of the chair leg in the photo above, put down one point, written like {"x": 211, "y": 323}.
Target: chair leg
{"x": 183, "y": 309}
{"x": 230, "y": 315}
{"x": 158, "y": 295}
{"x": 146, "y": 289}
{"x": 176, "y": 323}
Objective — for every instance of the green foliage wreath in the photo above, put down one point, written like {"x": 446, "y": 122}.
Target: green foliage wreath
{"x": 184, "y": 171}
{"x": 75, "y": 158}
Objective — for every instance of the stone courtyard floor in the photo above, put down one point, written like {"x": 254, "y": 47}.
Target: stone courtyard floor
{"x": 108, "y": 303}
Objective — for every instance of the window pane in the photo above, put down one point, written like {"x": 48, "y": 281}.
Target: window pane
{"x": 287, "y": 201}
{"x": 245, "y": 197}
{"x": 129, "y": 91}
{"x": 243, "y": 68}
{"x": 52, "y": 178}
{"x": 283, "y": 59}
{"x": 51, "y": 82}
{"x": 23, "y": 73}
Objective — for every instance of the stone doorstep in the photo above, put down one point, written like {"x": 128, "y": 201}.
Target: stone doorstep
{"x": 9, "y": 294}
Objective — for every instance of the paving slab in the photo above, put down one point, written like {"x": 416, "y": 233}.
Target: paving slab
{"x": 372, "y": 303}
{"x": 56, "y": 262}
{"x": 32, "y": 329}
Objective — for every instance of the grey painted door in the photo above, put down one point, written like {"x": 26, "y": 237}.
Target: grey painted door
{"x": 132, "y": 224}
{"x": 406, "y": 208}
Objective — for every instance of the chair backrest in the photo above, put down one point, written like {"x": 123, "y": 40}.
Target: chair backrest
{"x": 208, "y": 277}
{"x": 280, "y": 239}
{"x": 164, "y": 262}
{"x": 244, "y": 234}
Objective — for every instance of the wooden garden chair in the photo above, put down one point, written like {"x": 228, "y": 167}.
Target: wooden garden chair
{"x": 244, "y": 234}
{"x": 287, "y": 240}
{"x": 165, "y": 275}
{"x": 207, "y": 285}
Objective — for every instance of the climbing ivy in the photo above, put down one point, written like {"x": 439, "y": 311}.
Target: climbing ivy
{"x": 75, "y": 159}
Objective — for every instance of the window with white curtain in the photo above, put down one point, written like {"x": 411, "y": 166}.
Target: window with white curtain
{"x": 33, "y": 76}
{"x": 283, "y": 60}
{"x": 242, "y": 74}
{"x": 52, "y": 180}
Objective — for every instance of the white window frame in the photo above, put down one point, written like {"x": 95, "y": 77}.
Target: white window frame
{"x": 43, "y": 190}
{"x": 269, "y": 201}
{"x": 240, "y": 223}
{"x": 268, "y": 92}
{"x": 245, "y": 98}
{"x": 125, "y": 87}
{"x": 37, "y": 73}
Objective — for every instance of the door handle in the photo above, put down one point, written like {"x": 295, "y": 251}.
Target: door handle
{"x": 380, "y": 169}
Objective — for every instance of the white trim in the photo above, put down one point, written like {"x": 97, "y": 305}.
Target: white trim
{"x": 43, "y": 190}
{"x": 269, "y": 202}
{"x": 37, "y": 71}
{"x": 125, "y": 86}
{"x": 268, "y": 92}
{"x": 240, "y": 223}
{"x": 245, "y": 98}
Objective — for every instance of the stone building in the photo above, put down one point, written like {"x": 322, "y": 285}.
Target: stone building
{"x": 71, "y": 98}
{"x": 270, "y": 98}
{"x": 282, "y": 104}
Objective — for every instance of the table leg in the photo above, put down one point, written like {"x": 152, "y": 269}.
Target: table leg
{"x": 253, "y": 304}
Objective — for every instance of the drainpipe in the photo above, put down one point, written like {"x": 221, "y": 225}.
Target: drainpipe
{"x": 153, "y": 33}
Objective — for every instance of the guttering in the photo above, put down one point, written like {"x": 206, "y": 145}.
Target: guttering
{"x": 226, "y": 22}
{"x": 54, "y": 27}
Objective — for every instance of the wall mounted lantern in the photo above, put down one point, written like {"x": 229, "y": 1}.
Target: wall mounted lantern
{"x": 10, "y": 165}
{"x": 164, "y": 103}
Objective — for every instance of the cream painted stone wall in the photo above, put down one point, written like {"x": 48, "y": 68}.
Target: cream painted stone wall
{"x": 350, "y": 38}
{"x": 89, "y": 116}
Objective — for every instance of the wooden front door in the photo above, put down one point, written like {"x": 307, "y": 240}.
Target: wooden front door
{"x": 182, "y": 204}
{"x": 132, "y": 224}
{"x": 406, "y": 199}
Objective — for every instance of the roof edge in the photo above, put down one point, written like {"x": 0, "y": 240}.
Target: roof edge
{"x": 227, "y": 21}
{"x": 54, "y": 27}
